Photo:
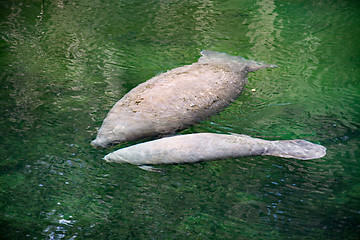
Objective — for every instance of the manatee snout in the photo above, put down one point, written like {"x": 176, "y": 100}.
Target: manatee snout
{"x": 108, "y": 135}
{"x": 98, "y": 144}
{"x": 108, "y": 139}
{"x": 101, "y": 142}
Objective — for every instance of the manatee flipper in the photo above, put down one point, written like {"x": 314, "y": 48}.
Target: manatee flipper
{"x": 298, "y": 149}
{"x": 150, "y": 168}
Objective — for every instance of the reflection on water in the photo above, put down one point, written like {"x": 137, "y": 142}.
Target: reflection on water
{"x": 64, "y": 64}
{"x": 262, "y": 29}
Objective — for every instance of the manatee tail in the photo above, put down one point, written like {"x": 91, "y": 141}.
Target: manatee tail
{"x": 254, "y": 66}
{"x": 298, "y": 149}
{"x": 235, "y": 62}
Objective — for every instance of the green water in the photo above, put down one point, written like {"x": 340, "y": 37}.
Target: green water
{"x": 63, "y": 64}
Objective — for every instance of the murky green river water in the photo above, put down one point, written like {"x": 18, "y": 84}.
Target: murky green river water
{"x": 63, "y": 64}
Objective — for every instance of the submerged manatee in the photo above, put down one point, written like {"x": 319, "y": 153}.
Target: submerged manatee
{"x": 199, "y": 147}
{"x": 177, "y": 99}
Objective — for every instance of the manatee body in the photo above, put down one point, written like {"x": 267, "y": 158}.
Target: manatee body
{"x": 197, "y": 147}
{"x": 177, "y": 99}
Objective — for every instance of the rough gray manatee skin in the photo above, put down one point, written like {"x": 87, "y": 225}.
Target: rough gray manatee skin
{"x": 199, "y": 147}
{"x": 177, "y": 99}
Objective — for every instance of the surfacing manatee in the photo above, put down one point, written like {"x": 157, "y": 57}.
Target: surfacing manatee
{"x": 177, "y": 99}
{"x": 197, "y": 147}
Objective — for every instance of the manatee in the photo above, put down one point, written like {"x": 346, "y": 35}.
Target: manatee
{"x": 177, "y": 99}
{"x": 198, "y": 147}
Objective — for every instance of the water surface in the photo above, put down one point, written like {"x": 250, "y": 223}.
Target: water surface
{"x": 63, "y": 64}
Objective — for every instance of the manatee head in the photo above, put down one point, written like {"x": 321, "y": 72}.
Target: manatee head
{"x": 108, "y": 136}
{"x": 119, "y": 128}
{"x": 116, "y": 128}
{"x": 115, "y": 157}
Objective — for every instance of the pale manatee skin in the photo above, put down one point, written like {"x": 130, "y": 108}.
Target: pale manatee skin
{"x": 177, "y": 99}
{"x": 198, "y": 147}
